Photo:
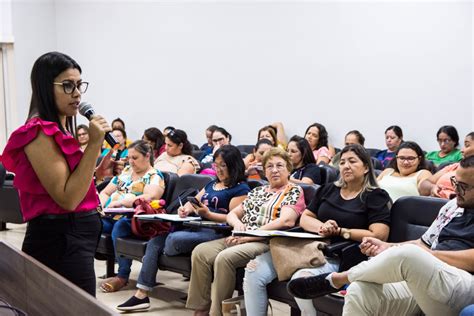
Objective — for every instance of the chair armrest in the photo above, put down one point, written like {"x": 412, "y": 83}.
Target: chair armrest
{"x": 334, "y": 249}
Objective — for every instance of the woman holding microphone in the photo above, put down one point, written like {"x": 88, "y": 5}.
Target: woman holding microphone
{"x": 54, "y": 178}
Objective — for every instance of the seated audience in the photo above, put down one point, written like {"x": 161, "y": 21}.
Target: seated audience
{"x": 317, "y": 137}
{"x": 253, "y": 161}
{"x": 393, "y": 139}
{"x": 155, "y": 138}
{"x": 431, "y": 275}
{"x": 405, "y": 173}
{"x": 448, "y": 140}
{"x": 275, "y": 133}
{"x": 439, "y": 184}
{"x": 220, "y": 137}
{"x": 353, "y": 208}
{"x": 226, "y": 192}
{"x": 207, "y": 147}
{"x": 138, "y": 180}
{"x": 118, "y": 123}
{"x": 352, "y": 137}
{"x": 305, "y": 169}
{"x": 177, "y": 157}
{"x": 274, "y": 206}
{"x": 82, "y": 133}
{"x": 120, "y": 136}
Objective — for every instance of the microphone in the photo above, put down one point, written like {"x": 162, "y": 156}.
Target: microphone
{"x": 85, "y": 109}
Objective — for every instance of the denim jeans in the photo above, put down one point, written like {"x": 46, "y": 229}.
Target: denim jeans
{"x": 175, "y": 243}
{"x": 257, "y": 278}
{"x": 120, "y": 228}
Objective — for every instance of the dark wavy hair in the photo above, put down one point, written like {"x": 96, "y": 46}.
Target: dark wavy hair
{"x": 417, "y": 149}
{"x": 323, "y": 135}
{"x": 235, "y": 165}
{"x": 143, "y": 148}
{"x": 156, "y": 136}
{"x": 451, "y": 132}
{"x": 261, "y": 142}
{"x": 43, "y": 104}
{"x": 304, "y": 148}
{"x": 118, "y": 119}
{"x": 178, "y": 137}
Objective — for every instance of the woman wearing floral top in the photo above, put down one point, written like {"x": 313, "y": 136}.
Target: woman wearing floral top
{"x": 138, "y": 180}
{"x": 274, "y": 206}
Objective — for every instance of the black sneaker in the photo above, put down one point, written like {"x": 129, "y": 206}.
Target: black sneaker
{"x": 310, "y": 287}
{"x": 135, "y": 304}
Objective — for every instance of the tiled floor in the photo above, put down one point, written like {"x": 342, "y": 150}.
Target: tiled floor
{"x": 166, "y": 300}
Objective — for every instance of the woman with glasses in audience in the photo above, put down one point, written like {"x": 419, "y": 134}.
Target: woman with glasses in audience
{"x": 226, "y": 192}
{"x": 155, "y": 138}
{"x": 253, "y": 161}
{"x": 82, "y": 133}
{"x": 448, "y": 140}
{"x": 277, "y": 205}
{"x": 138, "y": 180}
{"x": 439, "y": 184}
{"x": 305, "y": 169}
{"x": 177, "y": 157}
{"x": 351, "y": 208}
{"x": 393, "y": 139}
{"x": 54, "y": 178}
{"x": 405, "y": 173}
{"x": 220, "y": 137}
{"x": 121, "y": 151}
{"x": 317, "y": 137}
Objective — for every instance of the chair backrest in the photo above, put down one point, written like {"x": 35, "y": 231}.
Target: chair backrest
{"x": 187, "y": 183}
{"x": 253, "y": 183}
{"x": 412, "y": 215}
{"x": 328, "y": 173}
{"x": 373, "y": 151}
{"x": 10, "y": 210}
{"x": 444, "y": 164}
{"x": 171, "y": 179}
{"x": 246, "y": 148}
{"x": 197, "y": 153}
{"x": 376, "y": 163}
{"x": 309, "y": 192}
{"x": 195, "y": 147}
{"x": 3, "y": 174}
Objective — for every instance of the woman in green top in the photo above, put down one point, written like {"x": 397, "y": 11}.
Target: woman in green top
{"x": 448, "y": 140}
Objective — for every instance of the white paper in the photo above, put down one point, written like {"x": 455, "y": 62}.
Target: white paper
{"x": 169, "y": 217}
{"x": 119, "y": 210}
{"x": 275, "y": 233}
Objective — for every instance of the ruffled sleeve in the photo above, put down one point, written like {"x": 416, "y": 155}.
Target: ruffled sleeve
{"x": 14, "y": 158}
{"x": 378, "y": 205}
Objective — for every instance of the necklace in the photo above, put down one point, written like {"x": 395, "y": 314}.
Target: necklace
{"x": 219, "y": 186}
{"x": 351, "y": 195}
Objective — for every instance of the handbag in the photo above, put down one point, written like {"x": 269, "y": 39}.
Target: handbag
{"x": 291, "y": 254}
{"x": 148, "y": 229}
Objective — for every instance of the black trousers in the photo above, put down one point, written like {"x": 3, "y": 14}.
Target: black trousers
{"x": 67, "y": 245}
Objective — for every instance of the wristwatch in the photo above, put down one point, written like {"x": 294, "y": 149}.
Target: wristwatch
{"x": 345, "y": 233}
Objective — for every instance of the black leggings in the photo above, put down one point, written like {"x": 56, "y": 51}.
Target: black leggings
{"x": 66, "y": 245}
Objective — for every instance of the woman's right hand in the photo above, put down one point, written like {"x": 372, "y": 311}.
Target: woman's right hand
{"x": 329, "y": 228}
{"x": 182, "y": 212}
{"x": 371, "y": 246}
{"x": 98, "y": 126}
{"x": 240, "y": 227}
{"x": 436, "y": 190}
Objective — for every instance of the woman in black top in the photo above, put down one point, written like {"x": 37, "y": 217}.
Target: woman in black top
{"x": 352, "y": 208}
{"x": 305, "y": 169}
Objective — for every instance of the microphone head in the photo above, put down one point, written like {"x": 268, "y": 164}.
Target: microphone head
{"x": 86, "y": 109}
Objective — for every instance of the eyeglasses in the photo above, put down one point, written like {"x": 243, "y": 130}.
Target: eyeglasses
{"x": 221, "y": 166}
{"x": 460, "y": 187}
{"x": 69, "y": 86}
{"x": 279, "y": 167}
{"x": 217, "y": 140}
{"x": 445, "y": 141}
{"x": 407, "y": 158}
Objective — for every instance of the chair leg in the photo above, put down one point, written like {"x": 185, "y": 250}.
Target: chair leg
{"x": 110, "y": 264}
{"x": 295, "y": 311}
{"x": 3, "y": 226}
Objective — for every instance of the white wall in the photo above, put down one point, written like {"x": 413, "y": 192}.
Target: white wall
{"x": 243, "y": 64}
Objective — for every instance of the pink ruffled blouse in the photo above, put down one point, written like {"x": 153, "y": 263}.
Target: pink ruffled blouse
{"x": 34, "y": 199}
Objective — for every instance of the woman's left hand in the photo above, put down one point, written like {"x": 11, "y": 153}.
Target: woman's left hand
{"x": 329, "y": 228}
